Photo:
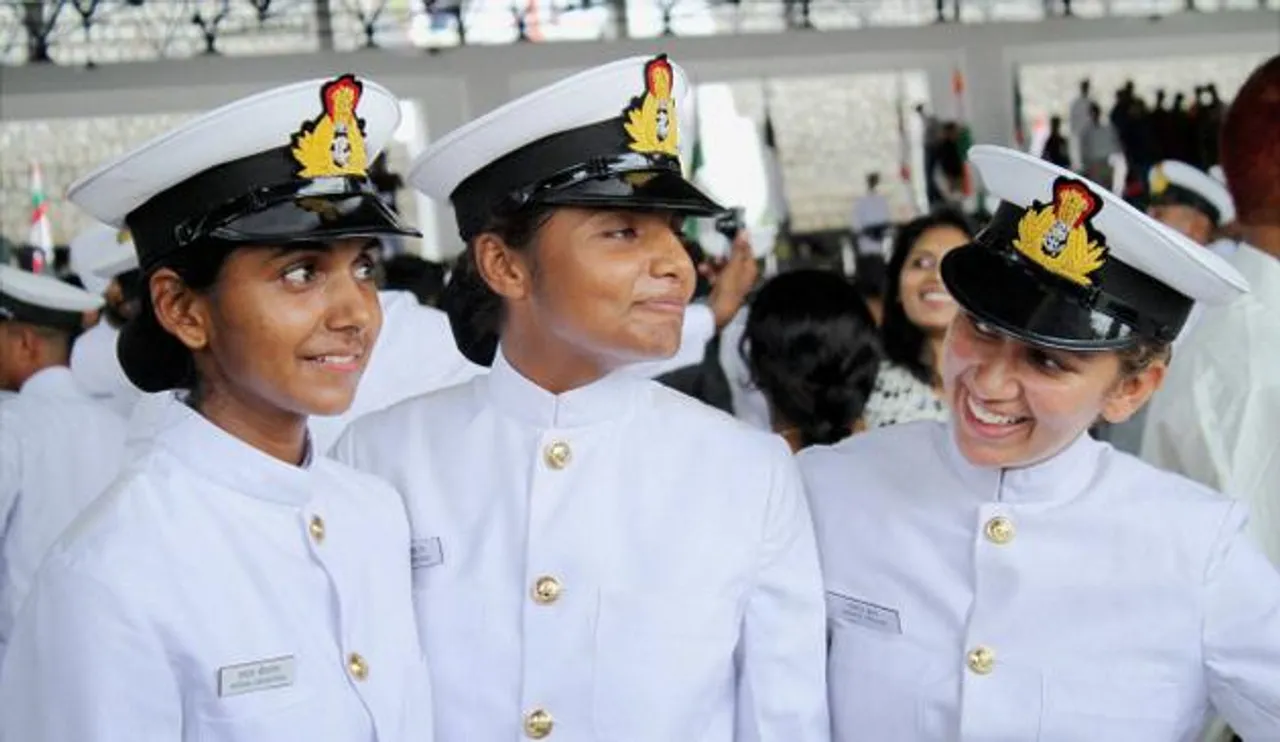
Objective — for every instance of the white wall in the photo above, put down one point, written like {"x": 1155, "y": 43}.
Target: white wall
{"x": 454, "y": 85}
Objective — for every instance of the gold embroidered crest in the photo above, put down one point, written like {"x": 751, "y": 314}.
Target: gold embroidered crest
{"x": 650, "y": 120}
{"x": 332, "y": 144}
{"x": 1159, "y": 181}
{"x": 123, "y": 236}
{"x": 1057, "y": 236}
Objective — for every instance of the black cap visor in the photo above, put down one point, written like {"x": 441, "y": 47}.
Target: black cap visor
{"x": 1003, "y": 292}
{"x": 319, "y": 211}
{"x": 650, "y": 190}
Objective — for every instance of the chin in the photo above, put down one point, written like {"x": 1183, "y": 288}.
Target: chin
{"x": 326, "y": 403}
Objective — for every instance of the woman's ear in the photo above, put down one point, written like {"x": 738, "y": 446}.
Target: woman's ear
{"x": 182, "y": 312}
{"x": 1131, "y": 392}
{"x": 504, "y": 270}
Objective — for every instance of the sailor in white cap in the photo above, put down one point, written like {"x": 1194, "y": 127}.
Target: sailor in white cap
{"x": 1004, "y": 576}
{"x": 114, "y": 264}
{"x": 58, "y": 447}
{"x": 234, "y": 585}
{"x": 595, "y": 556}
{"x": 1189, "y": 200}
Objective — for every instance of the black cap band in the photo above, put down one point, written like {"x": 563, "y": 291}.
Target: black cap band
{"x": 1150, "y": 308}
{"x": 258, "y": 198}
{"x": 561, "y": 163}
{"x": 1176, "y": 195}
{"x": 16, "y": 310}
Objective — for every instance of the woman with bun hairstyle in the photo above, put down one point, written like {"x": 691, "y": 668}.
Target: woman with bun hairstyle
{"x": 234, "y": 585}
{"x": 812, "y": 349}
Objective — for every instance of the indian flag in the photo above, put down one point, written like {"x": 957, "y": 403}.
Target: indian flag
{"x": 41, "y": 235}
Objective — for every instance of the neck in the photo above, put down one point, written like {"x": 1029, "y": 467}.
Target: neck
{"x": 1265, "y": 237}
{"x": 280, "y": 434}
{"x": 551, "y": 366}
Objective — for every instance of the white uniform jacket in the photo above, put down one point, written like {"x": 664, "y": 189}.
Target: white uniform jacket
{"x": 59, "y": 449}
{"x": 414, "y": 354}
{"x": 615, "y": 564}
{"x": 98, "y": 371}
{"x": 216, "y": 594}
{"x": 1089, "y": 598}
{"x": 1217, "y": 418}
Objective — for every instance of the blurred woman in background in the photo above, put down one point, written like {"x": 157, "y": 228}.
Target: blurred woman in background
{"x": 812, "y": 350}
{"x": 917, "y": 311}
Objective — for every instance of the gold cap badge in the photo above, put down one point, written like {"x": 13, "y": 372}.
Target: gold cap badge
{"x": 1159, "y": 181}
{"x": 651, "y": 118}
{"x": 332, "y": 144}
{"x": 1058, "y": 236}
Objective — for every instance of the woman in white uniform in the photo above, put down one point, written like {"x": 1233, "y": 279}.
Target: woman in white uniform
{"x": 1006, "y": 577}
{"x": 233, "y": 585}
{"x": 596, "y": 557}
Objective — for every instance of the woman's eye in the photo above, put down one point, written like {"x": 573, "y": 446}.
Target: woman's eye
{"x": 365, "y": 269}
{"x": 1045, "y": 361}
{"x": 923, "y": 262}
{"x": 300, "y": 274}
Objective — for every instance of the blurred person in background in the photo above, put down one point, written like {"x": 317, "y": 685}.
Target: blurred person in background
{"x": 813, "y": 351}
{"x": 917, "y": 312}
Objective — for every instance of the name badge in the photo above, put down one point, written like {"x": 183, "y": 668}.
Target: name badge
{"x": 252, "y": 677}
{"x": 426, "y": 552}
{"x": 842, "y": 608}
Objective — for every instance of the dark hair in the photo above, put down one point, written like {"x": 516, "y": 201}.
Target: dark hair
{"x": 811, "y": 347}
{"x": 902, "y": 340}
{"x": 1250, "y": 148}
{"x": 475, "y": 311}
{"x": 152, "y": 358}
{"x": 423, "y": 278}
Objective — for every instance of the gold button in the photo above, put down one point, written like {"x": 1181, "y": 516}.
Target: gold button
{"x": 538, "y": 724}
{"x": 999, "y": 530}
{"x": 358, "y": 668}
{"x": 546, "y": 590}
{"x": 982, "y": 660}
{"x": 317, "y": 529}
{"x": 558, "y": 454}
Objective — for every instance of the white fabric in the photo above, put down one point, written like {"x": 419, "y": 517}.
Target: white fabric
{"x": 681, "y": 539}
{"x": 899, "y": 397}
{"x": 871, "y": 210}
{"x": 1132, "y": 237}
{"x": 246, "y": 127}
{"x": 200, "y": 559}
{"x": 749, "y": 403}
{"x": 44, "y": 291}
{"x": 1198, "y": 182}
{"x": 1080, "y": 117}
{"x": 414, "y": 354}
{"x": 586, "y": 98}
{"x": 1217, "y": 419}
{"x": 1126, "y": 601}
{"x": 1224, "y": 247}
{"x": 1098, "y": 142}
{"x": 59, "y": 450}
{"x": 97, "y": 369}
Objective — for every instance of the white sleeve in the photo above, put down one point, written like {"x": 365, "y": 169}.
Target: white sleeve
{"x": 10, "y": 486}
{"x": 699, "y": 327}
{"x": 84, "y": 667}
{"x": 1242, "y": 632}
{"x": 782, "y": 681}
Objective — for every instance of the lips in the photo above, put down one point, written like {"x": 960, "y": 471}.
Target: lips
{"x": 988, "y": 423}
{"x": 936, "y": 295}
{"x": 343, "y": 362}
